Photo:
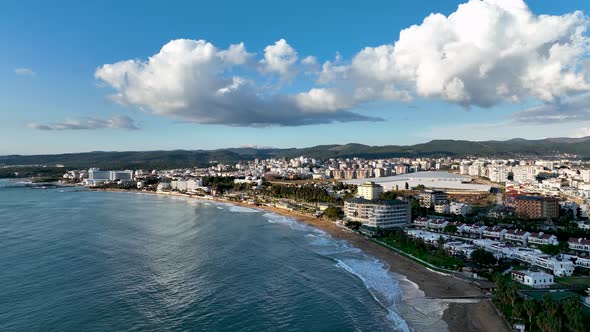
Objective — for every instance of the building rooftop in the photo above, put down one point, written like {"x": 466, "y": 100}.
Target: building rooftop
{"x": 360, "y": 200}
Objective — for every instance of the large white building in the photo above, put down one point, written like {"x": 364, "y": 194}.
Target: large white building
{"x": 434, "y": 180}
{"x": 97, "y": 176}
{"x": 533, "y": 279}
{"x": 121, "y": 175}
{"x": 374, "y": 213}
{"x": 369, "y": 190}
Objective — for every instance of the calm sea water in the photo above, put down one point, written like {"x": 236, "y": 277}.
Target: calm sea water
{"x": 74, "y": 260}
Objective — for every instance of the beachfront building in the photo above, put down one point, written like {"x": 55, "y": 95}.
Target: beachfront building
{"x": 369, "y": 190}
{"x": 95, "y": 174}
{"x": 163, "y": 186}
{"x": 533, "y": 279}
{"x": 121, "y": 175}
{"x": 378, "y": 213}
{"x": 97, "y": 177}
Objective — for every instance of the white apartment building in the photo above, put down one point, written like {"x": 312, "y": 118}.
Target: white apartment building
{"x": 459, "y": 208}
{"x": 541, "y": 238}
{"x": 495, "y": 233}
{"x": 497, "y": 173}
{"x": 526, "y": 174}
{"x": 369, "y": 190}
{"x": 443, "y": 208}
{"x": 517, "y": 236}
{"x": 475, "y": 170}
{"x": 579, "y": 244}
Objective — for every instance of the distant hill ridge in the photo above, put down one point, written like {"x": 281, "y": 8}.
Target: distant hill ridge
{"x": 513, "y": 148}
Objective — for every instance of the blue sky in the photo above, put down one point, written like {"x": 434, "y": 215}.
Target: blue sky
{"x": 55, "y": 91}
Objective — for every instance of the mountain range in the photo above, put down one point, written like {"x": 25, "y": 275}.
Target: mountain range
{"x": 513, "y": 148}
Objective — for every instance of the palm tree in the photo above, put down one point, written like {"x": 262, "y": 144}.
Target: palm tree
{"x": 530, "y": 306}
{"x": 511, "y": 294}
{"x": 573, "y": 315}
{"x": 517, "y": 311}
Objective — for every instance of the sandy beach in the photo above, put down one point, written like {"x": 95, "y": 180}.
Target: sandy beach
{"x": 479, "y": 316}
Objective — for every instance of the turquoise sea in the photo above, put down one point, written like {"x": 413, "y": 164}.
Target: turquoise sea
{"x": 76, "y": 260}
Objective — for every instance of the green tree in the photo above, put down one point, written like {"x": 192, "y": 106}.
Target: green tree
{"x": 389, "y": 195}
{"x": 333, "y": 213}
{"x": 482, "y": 257}
{"x": 573, "y": 315}
{"x": 530, "y": 306}
{"x": 511, "y": 294}
{"x": 548, "y": 323}
{"x": 563, "y": 246}
{"x": 518, "y": 310}
{"x": 548, "y": 319}
{"x": 451, "y": 229}
{"x": 550, "y": 249}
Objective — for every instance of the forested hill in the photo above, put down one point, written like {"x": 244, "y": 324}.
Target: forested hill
{"x": 514, "y": 148}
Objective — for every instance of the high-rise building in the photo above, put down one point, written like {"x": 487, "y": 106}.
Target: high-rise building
{"x": 537, "y": 207}
{"x": 369, "y": 190}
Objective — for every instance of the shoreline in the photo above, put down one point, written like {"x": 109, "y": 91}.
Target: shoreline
{"x": 480, "y": 316}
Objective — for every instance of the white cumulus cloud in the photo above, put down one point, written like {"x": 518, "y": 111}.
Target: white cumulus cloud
{"x": 484, "y": 53}
{"x": 280, "y": 58}
{"x": 190, "y": 80}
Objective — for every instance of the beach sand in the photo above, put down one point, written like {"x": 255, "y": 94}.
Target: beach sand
{"x": 463, "y": 317}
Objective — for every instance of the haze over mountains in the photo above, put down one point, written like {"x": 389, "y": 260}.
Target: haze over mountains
{"x": 514, "y": 148}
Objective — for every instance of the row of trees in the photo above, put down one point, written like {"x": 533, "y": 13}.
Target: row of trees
{"x": 307, "y": 193}
{"x": 547, "y": 315}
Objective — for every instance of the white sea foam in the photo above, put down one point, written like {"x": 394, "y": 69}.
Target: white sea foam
{"x": 292, "y": 223}
{"x": 237, "y": 208}
{"x": 382, "y": 286}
